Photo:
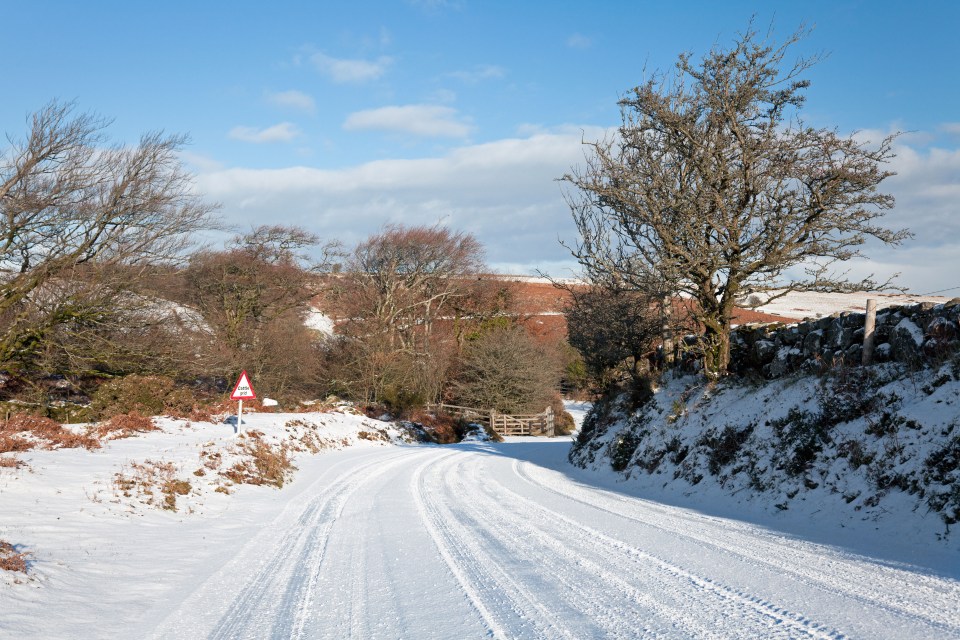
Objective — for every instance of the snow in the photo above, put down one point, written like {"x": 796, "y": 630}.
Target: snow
{"x": 915, "y": 332}
{"x": 578, "y": 410}
{"x": 318, "y": 321}
{"x": 377, "y": 538}
{"x": 807, "y": 304}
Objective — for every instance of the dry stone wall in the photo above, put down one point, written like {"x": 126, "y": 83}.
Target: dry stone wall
{"x": 909, "y": 334}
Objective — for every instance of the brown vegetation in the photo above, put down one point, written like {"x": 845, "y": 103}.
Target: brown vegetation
{"x": 23, "y": 432}
{"x": 11, "y": 462}
{"x": 439, "y": 427}
{"x": 125, "y": 425}
{"x": 155, "y": 483}
{"x": 146, "y": 395}
{"x": 263, "y": 463}
{"x": 11, "y": 559}
{"x": 563, "y": 422}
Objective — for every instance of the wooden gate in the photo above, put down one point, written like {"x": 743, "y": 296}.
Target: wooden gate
{"x": 539, "y": 424}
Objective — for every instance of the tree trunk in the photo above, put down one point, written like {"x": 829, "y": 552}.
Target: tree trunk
{"x": 717, "y": 319}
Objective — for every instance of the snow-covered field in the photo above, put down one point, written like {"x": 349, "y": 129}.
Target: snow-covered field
{"x": 385, "y": 539}
{"x": 808, "y": 304}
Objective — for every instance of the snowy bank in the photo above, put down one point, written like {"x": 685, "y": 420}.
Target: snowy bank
{"x": 114, "y": 529}
{"x": 869, "y": 449}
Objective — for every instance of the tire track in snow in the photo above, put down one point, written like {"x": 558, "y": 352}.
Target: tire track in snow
{"x": 277, "y": 597}
{"x": 301, "y": 559}
{"x": 507, "y": 608}
{"x": 602, "y": 602}
{"x": 717, "y": 600}
{"x": 358, "y": 593}
{"x": 930, "y": 601}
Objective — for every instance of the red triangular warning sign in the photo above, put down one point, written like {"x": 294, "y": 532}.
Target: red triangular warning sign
{"x": 243, "y": 390}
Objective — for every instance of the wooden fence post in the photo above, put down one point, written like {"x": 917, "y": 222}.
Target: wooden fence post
{"x": 869, "y": 330}
{"x": 666, "y": 331}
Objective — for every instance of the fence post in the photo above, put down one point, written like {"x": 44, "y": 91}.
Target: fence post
{"x": 493, "y": 420}
{"x": 550, "y": 422}
{"x": 869, "y": 329}
{"x": 666, "y": 332}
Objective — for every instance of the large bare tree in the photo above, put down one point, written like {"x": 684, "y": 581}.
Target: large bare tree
{"x": 397, "y": 285}
{"x": 78, "y": 218}
{"x": 253, "y": 297}
{"x": 714, "y": 187}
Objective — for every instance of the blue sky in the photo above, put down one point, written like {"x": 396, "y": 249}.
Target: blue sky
{"x": 341, "y": 117}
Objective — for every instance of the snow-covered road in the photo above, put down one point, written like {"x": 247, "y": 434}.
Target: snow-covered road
{"x": 496, "y": 540}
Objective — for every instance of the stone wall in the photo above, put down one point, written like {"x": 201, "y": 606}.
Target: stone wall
{"x": 905, "y": 334}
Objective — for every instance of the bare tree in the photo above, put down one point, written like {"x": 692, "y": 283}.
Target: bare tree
{"x": 78, "y": 218}
{"x": 714, "y": 187}
{"x": 507, "y": 370}
{"x": 397, "y": 286}
{"x": 404, "y": 277}
{"x": 253, "y": 297}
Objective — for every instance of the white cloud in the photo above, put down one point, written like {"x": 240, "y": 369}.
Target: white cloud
{"x": 478, "y": 73}
{"x": 344, "y": 70}
{"x": 283, "y": 132}
{"x": 200, "y": 162}
{"x": 293, "y": 99}
{"x": 506, "y": 193}
{"x": 579, "y": 41}
{"x": 417, "y": 119}
{"x": 445, "y": 96}
{"x": 952, "y": 128}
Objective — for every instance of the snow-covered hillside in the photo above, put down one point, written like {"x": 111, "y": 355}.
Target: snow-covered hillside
{"x": 798, "y": 305}
{"x": 874, "y": 448}
{"x": 72, "y": 509}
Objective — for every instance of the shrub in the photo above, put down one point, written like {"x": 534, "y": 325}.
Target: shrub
{"x": 11, "y": 559}
{"x": 801, "y": 435}
{"x": 400, "y": 400}
{"x": 124, "y": 425}
{"x": 563, "y": 423}
{"x": 848, "y": 394}
{"x": 23, "y": 432}
{"x": 942, "y": 469}
{"x": 441, "y": 428}
{"x": 623, "y": 448}
{"x": 147, "y": 395}
{"x": 723, "y": 447}
{"x": 263, "y": 464}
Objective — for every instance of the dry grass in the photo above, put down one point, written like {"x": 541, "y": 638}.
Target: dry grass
{"x": 23, "y": 432}
{"x": 262, "y": 463}
{"x": 563, "y": 423}
{"x": 307, "y": 440}
{"x": 11, "y": 559}
{"x": 11, "y": 462}
{"x": 379, "y": 434}
{"x": 125, "y": 425}
{"x": 154, "y": 483}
